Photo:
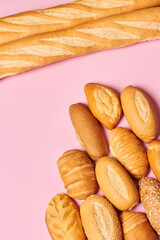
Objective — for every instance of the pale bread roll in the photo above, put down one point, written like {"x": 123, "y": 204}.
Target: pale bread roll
{"x": 154, "y": 157}
{"x": 139, "y": 113}
{"x": 64, "y": 16}
{"x": 63, "y": 219}
{"x": 116, "y": 184}
{"x": 88, "y": 131}
{"x": 99, "y": 219}
{"x": 106, "y": 33}
{"x": 104, "y": 104}
{"x": 128, "y": 150}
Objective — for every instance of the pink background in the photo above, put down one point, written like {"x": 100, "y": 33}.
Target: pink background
{"x": 35, "y": 128}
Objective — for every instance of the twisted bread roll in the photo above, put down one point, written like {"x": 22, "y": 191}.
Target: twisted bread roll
{"x": 60, "y": 17}
{"x": 107, "y": 33}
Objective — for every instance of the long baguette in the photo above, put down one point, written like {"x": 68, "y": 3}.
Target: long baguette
{"x": 64, "y": 16}
{"x": 107, "y": 33}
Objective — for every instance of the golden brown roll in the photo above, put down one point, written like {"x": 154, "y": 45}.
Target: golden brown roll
{"x": 139, "y": 113}
{"x": 104, "y": 104}
{"x": 100, "y": 220}
{"x": 154, "y": 157}
{"x": 136, "y": 226}
{"x": 88, "y": 131}
{"x": 116, "y": 184}
{"x": 63, "y": 219}
{"x": 77, "y": 173}
{"x": 128, "y": 150}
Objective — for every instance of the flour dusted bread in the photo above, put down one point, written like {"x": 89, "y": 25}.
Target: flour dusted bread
{"x": 128, "y": 150}
{"x": 77, "y": 173}
{"x": 63, "y": 219}
{"x": 139, "y": 113}
{"x": 154, "y": 157}
{"x": 104, "y": 104}
{"x": 105, "y": 33}
{"x": 99, "y": 219}
{"x": 88, "y": 131}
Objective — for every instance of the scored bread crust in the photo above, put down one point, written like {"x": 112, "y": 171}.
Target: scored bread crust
{"x": 106, "y": 33}
{"x": 64, "y": 16}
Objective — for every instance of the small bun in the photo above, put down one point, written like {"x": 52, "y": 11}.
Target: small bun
{"x": 154, "y": 157}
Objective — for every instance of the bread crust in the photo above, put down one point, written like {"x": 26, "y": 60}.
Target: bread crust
{"x": 154, "y": 157}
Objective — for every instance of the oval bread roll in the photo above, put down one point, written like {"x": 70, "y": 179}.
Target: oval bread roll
{"x": 128, "y": 150}
{"x": 135, "y": 226}
{"x": 99, "y": 219}
{"x": 116, "y": 184}
{"x": 88, "y": 131}
{"x": 139, "y": 113}
{"x": 104, "y": 104}
{"x": 154, "y": 157}
{"x": 77, "y": 173}
{"x": 63, "y": 219}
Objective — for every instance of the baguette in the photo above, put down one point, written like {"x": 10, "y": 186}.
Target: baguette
{"x": 63, "y": 16}
{"x": 107, "y": 33}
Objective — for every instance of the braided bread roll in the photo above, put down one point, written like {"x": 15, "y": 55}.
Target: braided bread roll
{"x": 107, "y": 33}
{"x": 60, "y": 17}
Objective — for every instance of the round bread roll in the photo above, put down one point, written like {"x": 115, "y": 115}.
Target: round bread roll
{"x": 128, "y": 150}
{"x": 104, "y": 104}
{"x": 63, "y": 219}
{"x": 154, "y": 157}
{"x": 139, "y": 113}
{"x": 88, "y": 131}
{"x": 136, "y": 226}
{"x": 77, "y": 173}
{"x": 116, "y": 184}
{"x": 99, "y": 219}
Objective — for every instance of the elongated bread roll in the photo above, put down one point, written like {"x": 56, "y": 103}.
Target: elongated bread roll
{"x": 106, "y": 33}
{"x": 139, "y": 113}
{"x": 63, "y": 16}
{"x": 154, "y": 157}
{"x": 99, "y": 219}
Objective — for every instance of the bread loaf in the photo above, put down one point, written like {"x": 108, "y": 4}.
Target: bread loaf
{"x": 154, "y": 157}
{"x": 63, "y": 219}
{"x": 77, "y": 173}
{"x": 116, "y": 184}
{"x": 150, "y": 198}
{"x": 135, "y": 226}
{"x": 106, "y": 33}
{"x": 128, "y": 150}
{"x": 60, "y": 17}
{"x": 104, "y": 104}
{"x": 99, "y": 219}
{"x": 88, "y": 131}
{"x": 139, "y": 113}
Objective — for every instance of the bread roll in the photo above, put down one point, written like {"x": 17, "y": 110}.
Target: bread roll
{"x": 88, "y": 131}
{"x": 77, "y": 173}
{"x": 150, "y": 198}
{"x": 135, "y": 226}
{"x": 139, "y": 113}
{"x": 63, "y": 219}
{"x": 154, "y": 157}
{"x": 116, "y": 184}
{"x": 64, "y": 16}
{"x": 104, "y": 104}
{"x": 99, "y": 219}
{"x": 128, "y": 150}
{"x": 106, "y": 33}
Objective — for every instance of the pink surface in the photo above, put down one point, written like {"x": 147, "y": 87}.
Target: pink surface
{"x": 35, "y": 128}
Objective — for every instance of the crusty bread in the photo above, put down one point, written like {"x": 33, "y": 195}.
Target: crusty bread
{"x": 63, "y": 16}
{"x": 104, "y": 104}
{"x": 116, "y": 184}
{"x": 77, "y": 173}
{"x": 154, "y": 157}
{"x": 99, "y": 219}
{"x": 128, "y": 150}
{"x": 88, "y": 131}
{"x": 139, "y": 113}
{"x": 135, "y": 226}
{"x": 63, "y": 219}
{"x": 106, "y": 33}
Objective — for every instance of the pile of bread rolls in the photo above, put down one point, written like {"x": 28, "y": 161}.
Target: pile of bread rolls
{"x": 98, "y": 217}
